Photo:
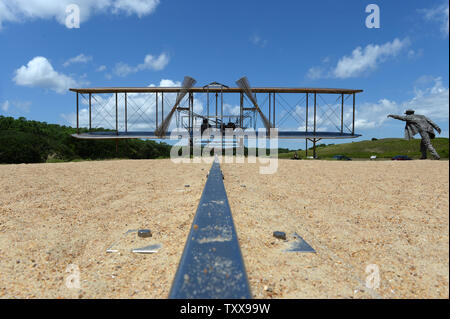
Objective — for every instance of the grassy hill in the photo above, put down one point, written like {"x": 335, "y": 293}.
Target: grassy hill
{"x": 382, "y": 148}
{"x": 23, "y": 141}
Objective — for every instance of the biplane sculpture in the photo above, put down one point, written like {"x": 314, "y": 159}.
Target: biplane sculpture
{"x": 118, "y": 116}
{"x": 212, "y": 265}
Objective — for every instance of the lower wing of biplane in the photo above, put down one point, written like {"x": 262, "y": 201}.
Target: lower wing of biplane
{"x": 175, "y": 135}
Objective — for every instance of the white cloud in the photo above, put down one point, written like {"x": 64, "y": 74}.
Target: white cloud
{"x": 24, "y": 10}
{"x": 414, "y": 54}
{"x": 40, "y": 73}
{"x": 81, "y": 58}
{"x": 430, "y": 101}
{"x": 138, "y": 7}
{"x": 229, "y": 109}
{"x": 5, "y": 106}
{"x": 373, "y": 115}
{"x": 440, "y": 15}
{"x": 257, "y": 40}
{"x": 361, "y": 61}
{"x": 168, "y": 83}
{"x": 122, "y": 69}
{"x": 316, "y": 73}
{"x": 23, "y": 106}
{"x": 153, "y": 63}
{"x": 150, "y": 63}
{"x": 367, "y": 59}
{"x": 101, "y": 68}
{"x": 198, "y": 105}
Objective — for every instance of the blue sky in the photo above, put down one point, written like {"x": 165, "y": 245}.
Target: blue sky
{"x": 402, "y": 64}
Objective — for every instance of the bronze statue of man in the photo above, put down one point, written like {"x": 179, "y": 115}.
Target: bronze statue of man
{"x": 421, "y": 124}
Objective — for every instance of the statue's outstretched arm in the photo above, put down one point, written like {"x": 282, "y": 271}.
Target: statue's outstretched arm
{"x": 398, "y": 117}
{"x": 434, "y": 125}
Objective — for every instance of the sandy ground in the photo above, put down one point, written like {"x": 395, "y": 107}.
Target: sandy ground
{"x": 394, "y": 215}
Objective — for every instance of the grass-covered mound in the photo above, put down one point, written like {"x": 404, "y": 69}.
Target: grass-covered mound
{"x": 23, "y": 141}
{"x": 382, "y": 148}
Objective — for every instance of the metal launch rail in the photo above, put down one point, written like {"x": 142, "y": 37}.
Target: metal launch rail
{"x": 212, "y": 266}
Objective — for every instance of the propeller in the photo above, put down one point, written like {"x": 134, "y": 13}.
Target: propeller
{"x": 245, "y": 86}
{"x": 188, "y": 82}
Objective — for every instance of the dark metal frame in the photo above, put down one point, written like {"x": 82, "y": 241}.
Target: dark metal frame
{"x": 212, "y": 266}
{"x": 220, "y": 89}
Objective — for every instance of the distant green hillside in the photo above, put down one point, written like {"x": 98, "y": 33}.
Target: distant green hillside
{"x": 382, "y": 148}
{"x": 23, "y": 141}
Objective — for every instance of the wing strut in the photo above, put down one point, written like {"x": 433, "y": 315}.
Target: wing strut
{"x": 188, "y": 82}
{"x": 245, "y": 86}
